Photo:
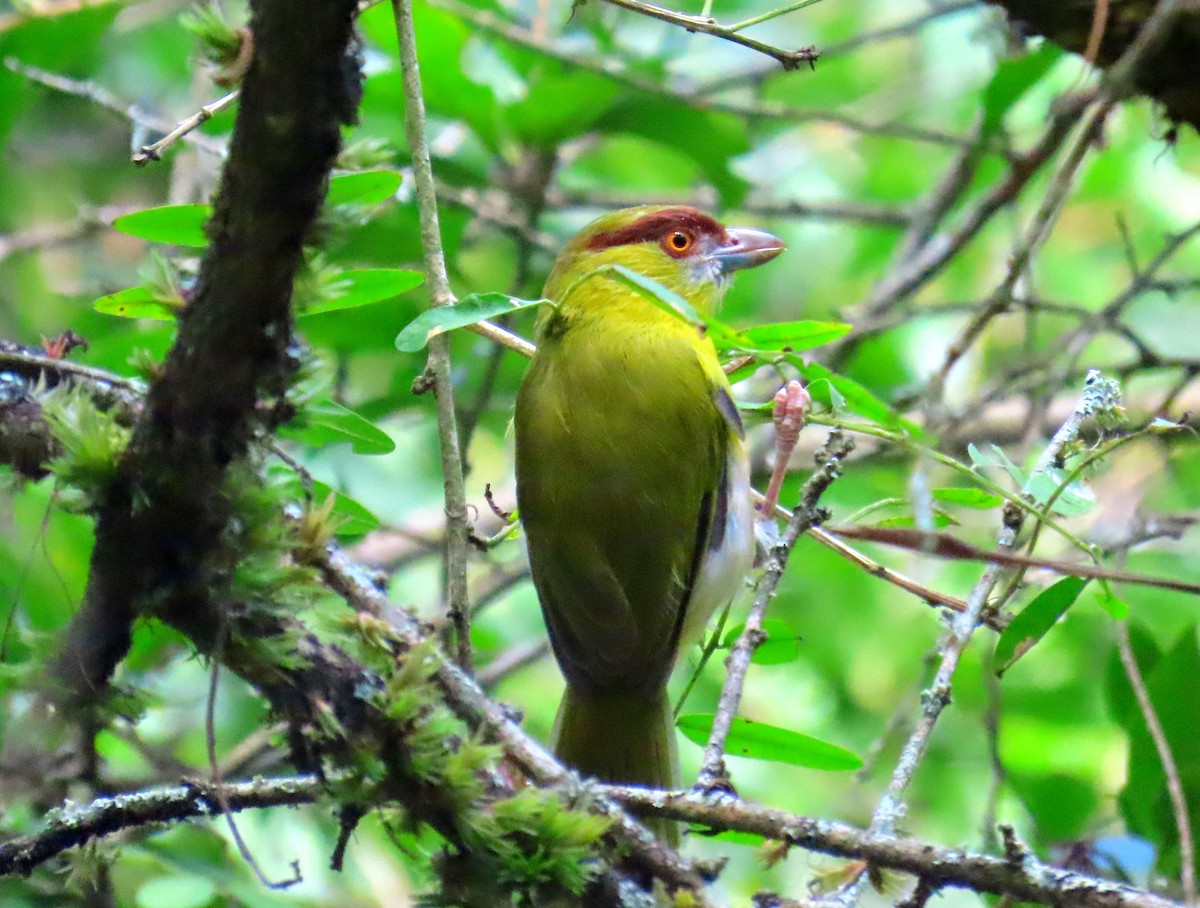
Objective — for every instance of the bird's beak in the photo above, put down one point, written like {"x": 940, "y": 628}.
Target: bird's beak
{"x": 746, "y": 248}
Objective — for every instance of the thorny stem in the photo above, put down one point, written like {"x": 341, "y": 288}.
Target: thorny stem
{"x": 457, "y": 525}
{"x": 713, "y": 774}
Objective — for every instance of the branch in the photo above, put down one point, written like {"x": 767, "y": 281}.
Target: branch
{"x": 713, "y": 774}
{"x": 1024, "y": 880}
{"x": 457, "y": 525}
{"x": 1166, "y": 73}
{"x": 72, "y": 826}
{"x": 102, "y": 97}
{"x": 161, "y": 527}
{"x": 788, "y": 59}
{"x": 936, "y": 698}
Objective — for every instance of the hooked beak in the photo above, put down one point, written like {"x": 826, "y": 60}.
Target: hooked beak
{"x": 746, "y": 248}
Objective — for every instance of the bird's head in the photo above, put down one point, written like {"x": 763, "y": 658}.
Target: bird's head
{"x": 677, "y": 246}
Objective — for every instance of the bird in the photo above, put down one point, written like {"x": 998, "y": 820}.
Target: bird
{"x": 633, "y": 480}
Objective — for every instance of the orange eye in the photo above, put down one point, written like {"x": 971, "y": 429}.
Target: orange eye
{"x": 678, "y": 242}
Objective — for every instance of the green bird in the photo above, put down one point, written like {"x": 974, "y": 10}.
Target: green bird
{"x": 633, "y": 480}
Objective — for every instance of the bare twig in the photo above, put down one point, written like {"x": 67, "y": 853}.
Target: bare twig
{"x": 74, "y": 826}
{"x": 860, "y": 39}
{"x": 102, "y": 97}
{"x": 788, "y": 59}
{"x": 935, "y": 699}
{"x": 457, "y": 525}
{"x": 1179, "y": 805}
{"x": 713, "y": 773}
{"x": 153, "y": 152}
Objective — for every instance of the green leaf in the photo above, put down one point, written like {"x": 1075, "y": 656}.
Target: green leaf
{"x": 782, "y": 643}
{"x": 841, "y": 392}
{"x": 760, "y": 741}
{"x": 1118, "y": 694}
{"x": 1035, "y": 620}
{"x": 350, "y": 518}
{"x": 649, "y": 289}
{"x": 366, "y": 187}
{"x": 1173, "y": 683}
{"x": 363, "y": 287}
{"x": 968, "y": 498}
{"x": 1116, "y": 607}
{"x": 182, "y": 891}
{"x": 1061, "y": 805}
{"x": 1010, "y": 82}
{"x": 793, "y": 336}
{"x": 467, "y": 311}
{"x": 998, "y": 459}
{"x": 1072, "y": 501}
{"x": 325, "y": 422}
{"x": 138, "y": 302}
{"x": 179, "y": 225}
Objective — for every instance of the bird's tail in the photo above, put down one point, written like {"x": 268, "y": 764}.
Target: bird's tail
{"x": 625, "y": 738}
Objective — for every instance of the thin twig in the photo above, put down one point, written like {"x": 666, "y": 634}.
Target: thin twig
{"x": 104, "y": 98}
{"x": 1179, "y": 805}
{"x": 937, "y": 696}
{"x": 788, "y": 59}
{"x": 713, "y": 774}
{"x": 757, "y": 110}
{"x": 153, "y": 152}
{"x": 750, "y": 77}
{"x": 457, "y": 524}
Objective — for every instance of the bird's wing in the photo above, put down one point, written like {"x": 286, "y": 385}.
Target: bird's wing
{"x": 618, "y": 499}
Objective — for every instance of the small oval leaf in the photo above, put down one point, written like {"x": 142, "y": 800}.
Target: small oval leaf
{"x": 365, "y": 187}
{"x": 1027, "y": 628}
{"x": 325, "y": 422}
{"x": 793, "y": 336}
{"x": 138, "y": 302}
{"x": 467, "y": 311}
{"x": 363, "y": 287}
{"x": 968, "y": 498}
{"x": 782, "y": 643}
{"x": 179, "y": 225}
{"x": 760, "y": 741}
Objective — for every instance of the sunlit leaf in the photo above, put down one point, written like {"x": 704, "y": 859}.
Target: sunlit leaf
{"x": 1028, "y": 627}
{"x": 782, "y": 643}
{"x": 845, "y": 393}
{"x": 179, "y": 225}
{"x": 185, "y": 890}
{"x": 760, "y": 741}
{"x": 366, "y": 187}
{"x": 350, "y": 518}
{"x": 1115, "y": 606}
{"x": 467, "y": 311}
{"x": 793, "y": 336}
{"x": 968, "y": 498}
{"x": 138, "y": 302}
{"x": 996, "y": 458}
{"x": 1072, "y": 501}
{"x": 364, "y": 287}
{"x": 325, "y": 422}
{"x": 1012, "y": 79}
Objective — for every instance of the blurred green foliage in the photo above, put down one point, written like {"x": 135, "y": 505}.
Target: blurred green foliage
{"x": 586, "y": 110}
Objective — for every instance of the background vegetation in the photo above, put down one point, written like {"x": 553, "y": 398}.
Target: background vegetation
{"x": 936, "y": 172}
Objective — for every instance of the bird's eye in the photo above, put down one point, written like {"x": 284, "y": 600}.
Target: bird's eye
{"x": 678, "y": 242}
